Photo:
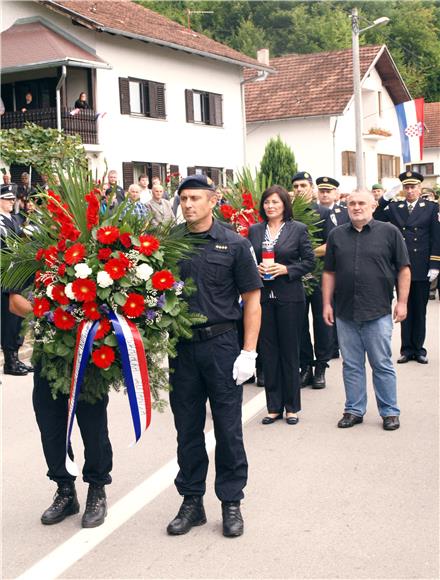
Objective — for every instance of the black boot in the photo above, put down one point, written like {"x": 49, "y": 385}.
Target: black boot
{"x": 307, "y": 376}
{"x": 12, "y": 365}
{"x": 65, "y": 503}
{"x": 96, "y": 507}
{"x": 26, "y": 367}
{"x": 191, "y": 513}
{"x": 232, "y": 519}
{"x": 319, "y": 378}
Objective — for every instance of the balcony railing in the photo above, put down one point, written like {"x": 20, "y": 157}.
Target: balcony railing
{"x": 83, "y": 123}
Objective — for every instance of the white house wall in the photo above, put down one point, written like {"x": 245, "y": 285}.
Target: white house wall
{"x": 432, "y": 155}
{"x": 124, "y": 138}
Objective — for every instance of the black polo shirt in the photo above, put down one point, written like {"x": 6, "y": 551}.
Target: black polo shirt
{"x": 366, "y": 265}
{"x": 222, "y": 267}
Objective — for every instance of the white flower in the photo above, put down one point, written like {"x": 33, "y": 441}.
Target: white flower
{"x": 144, "y": 271}
{"x": 82, "y": 270}
{"x": 69, "y": 292}
{"x": 104, "y": 280}
{"x": 49, "y": 290}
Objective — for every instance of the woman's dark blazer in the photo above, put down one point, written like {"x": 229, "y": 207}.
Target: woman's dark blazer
{"x": 294, "y": 250}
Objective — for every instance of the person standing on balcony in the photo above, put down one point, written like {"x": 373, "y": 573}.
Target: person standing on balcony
{"x": 81, "y": 102}
{"x": 29, "y": 103}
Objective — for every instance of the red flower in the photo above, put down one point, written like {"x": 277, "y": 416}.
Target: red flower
{"x": 61, "y": 245}
{"x": 125, "y": 240}
{"x": 115, "y": 268}
{"x": 103, "y": 328}
{"x": 69, "y": 231}
{"x": 47, "y": 280}
{"x": 248, "y": 201}
{"x": 59, "y": 295}
{"x": 92, "y": 213}
{"x": 148, "y": 245}
{"x": 52, "y": 206}
{"x": 63, "y": 320}
{"x": 103, "y": 356}
{"x": 227, "y": 211}
{"x": 84, "y": 289}
{"x": 61, "y": 270}
{"x": 51, "y": 255}
{"x": 134, "y": 306}
{"x": 41, "y": 305}
{"x": 124, "y": 259}
{"x": 162, "y": 280}
{"x": 104, "y": 254}
{"x": 38, "y": 274}
{"x": 75, "y": 254}
{"x": 108, "y": 234}
{"x": 90, "y": 309}
{"x": 40, "y": 254}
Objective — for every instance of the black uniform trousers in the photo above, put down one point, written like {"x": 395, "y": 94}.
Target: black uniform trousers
{"x": 280, "y": 334}
{"x": 51, "y": 415}
{"x": 323, "y": 335}
{"x": 10, "y": 326}
{"x": 202, "y": 371}
{"x": 413, "y": 328}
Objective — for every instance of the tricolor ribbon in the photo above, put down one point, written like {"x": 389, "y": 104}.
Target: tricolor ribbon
{"x": 134, "y": 369}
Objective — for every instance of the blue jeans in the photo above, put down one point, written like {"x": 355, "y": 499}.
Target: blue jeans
{"x": 374, "y": 338}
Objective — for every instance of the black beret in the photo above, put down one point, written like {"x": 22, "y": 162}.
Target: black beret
{"x": 196, "y": 182}
{"x": 410, "y": 178}
{"x": 327, "y": 183}
{"x": 302, "y": 175}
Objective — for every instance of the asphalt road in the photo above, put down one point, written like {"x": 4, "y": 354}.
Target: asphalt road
{"x": 321, "y": 502}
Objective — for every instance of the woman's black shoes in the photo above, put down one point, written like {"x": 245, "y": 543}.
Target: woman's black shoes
{"x": 292, "y": 420}
{"x": 269, "y": 420}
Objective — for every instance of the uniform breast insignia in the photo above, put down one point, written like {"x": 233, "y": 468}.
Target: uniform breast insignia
{"x": 221, "y": 247}
{"x": 401, "y": 205}
{"x": 337, "y": 210}
{"x": 422, "y": 204}
{"x": 333, "y": 218}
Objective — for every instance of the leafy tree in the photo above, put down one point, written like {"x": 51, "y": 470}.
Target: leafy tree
{"x": 278, "y": 163}
{"x": 41, "y": 148}
{"x": 249, "y": 38}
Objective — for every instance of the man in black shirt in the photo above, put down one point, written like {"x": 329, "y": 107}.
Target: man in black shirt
{"x": 363, "y": 259}
{"x": 210, "y": 365}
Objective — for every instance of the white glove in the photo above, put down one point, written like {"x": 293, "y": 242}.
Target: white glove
{"x": 388, "y": 195}
{"x": 244, "y": 366}
{"x": 432, "y": 275}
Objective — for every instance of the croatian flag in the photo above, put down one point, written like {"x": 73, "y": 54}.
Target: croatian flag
{"x": 411, "y": 118}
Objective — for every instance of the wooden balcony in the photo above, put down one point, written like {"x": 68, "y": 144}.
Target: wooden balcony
{"x": 83, "y": 124}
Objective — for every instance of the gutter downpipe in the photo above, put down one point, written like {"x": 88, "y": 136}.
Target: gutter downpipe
{"x": 334, "y": 145}
{"x": 261, "y": 76}
{"x": 58, "y": 93}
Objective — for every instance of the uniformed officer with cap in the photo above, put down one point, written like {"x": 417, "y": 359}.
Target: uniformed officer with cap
{"x": 11, "y": 324}
{"x": 327, "y": 197}
{"x": 210, "y": 364}
{"x": 418, "y": 220}
{"x": 302, "y": 185}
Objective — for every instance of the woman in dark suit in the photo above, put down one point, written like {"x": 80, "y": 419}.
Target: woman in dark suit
{"x": 282, "y": 300}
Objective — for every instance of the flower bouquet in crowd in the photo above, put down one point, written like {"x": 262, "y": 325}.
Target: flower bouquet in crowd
{"x": 107, "y": 300}
{"x": 172, "y": 182}
{"x": 241, "y": 209}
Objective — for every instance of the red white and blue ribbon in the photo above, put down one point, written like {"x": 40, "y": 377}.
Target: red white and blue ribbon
{"x": 135, "y": 371}
{"x": 84, "y": 342}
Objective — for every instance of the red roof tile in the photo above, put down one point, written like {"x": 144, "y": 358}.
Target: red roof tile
{"x": 128, "y": 18}
{"x": 316, "y": 84}
{"x": 432, "y": 125}
{"x": 31, "y": 44}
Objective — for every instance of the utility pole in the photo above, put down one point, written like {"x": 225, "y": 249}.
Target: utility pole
{"x": 189, "y": 12}
{"x": 360, "y": 173}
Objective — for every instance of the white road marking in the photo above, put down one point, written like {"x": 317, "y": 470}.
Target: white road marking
{"x": 80, "y": 544}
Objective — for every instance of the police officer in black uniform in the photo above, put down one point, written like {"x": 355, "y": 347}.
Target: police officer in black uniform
{"x": 418, "y": 220}
{"x": 302, "y": 184}
{"x": 327, "y": 194}
{"x": 10, "y": 323}
{"x": 210, "y": 365}
{"x": 51, "y": 415}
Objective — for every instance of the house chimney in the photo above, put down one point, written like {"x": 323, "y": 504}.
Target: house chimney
{"x": 263, "y": 56}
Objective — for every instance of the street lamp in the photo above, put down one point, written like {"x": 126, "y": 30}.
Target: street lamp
{"x": 356, "y": 31}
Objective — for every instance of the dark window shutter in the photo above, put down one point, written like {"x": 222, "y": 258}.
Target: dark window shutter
{"x": 396, "y": 166}
{"x": 155, "y": 170}
{"x": 215, "y": 110}
{"x": 174, "y": 169}
{"x": 430, "y": 169}
{"x": 345, "y": 163}
{"x": 216, "y": 176}
{"x": 189, "y": 106}
{"x": 156, "y": 92}
{"x": 190, "y": 170}
{"x": 127, "y": 174}
{"x": 124, "y": 96}
{"x": 229, "y": 175}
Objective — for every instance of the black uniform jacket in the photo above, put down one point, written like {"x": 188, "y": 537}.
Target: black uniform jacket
{"x": 339, "y": 215}
{"x": 294, "y": 250}
{"x": 421, "y": 231}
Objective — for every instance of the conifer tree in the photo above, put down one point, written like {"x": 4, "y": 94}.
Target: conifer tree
{"x": 278, "y": 163}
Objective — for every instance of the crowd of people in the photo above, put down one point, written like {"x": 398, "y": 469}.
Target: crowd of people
{"x": 372, "y": 246}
